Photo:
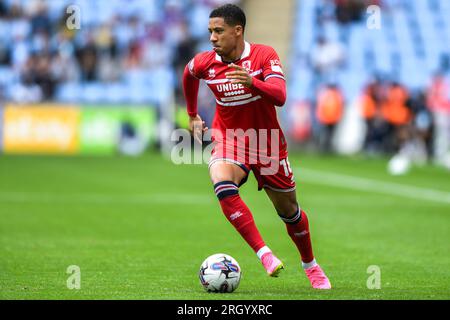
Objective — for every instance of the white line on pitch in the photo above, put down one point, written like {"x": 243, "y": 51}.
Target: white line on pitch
{"x": 370, "y": 185}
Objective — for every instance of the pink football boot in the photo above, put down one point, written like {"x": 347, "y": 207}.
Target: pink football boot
{"x": 272, "y": 264}
{"x": 318, "y": 278}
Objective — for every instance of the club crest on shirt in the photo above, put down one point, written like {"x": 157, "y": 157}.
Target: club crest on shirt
{"x": 247, "y": 65}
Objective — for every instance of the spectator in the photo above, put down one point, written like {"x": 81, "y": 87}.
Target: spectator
{"x": 38, "y": 72}
{"x": 422, "y": 126}
{"x": 119, "y": 44}
{"x": 88, "y": 60}
{"x": 377, "y": 128}
{"x": 330, "y": 107}
{"x": 396, "y": 113}
{"x": 438, "y": 102}
{"x": 3, "y": 10}
{"x": 326, "y": 58}
{"x": 40, "y": 21}
{"x": 184, "y": 51}
{"x": 348, "y": 11}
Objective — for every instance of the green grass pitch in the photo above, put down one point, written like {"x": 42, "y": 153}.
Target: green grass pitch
{"x": 139, "y": 228}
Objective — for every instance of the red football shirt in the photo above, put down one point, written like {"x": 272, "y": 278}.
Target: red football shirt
{"x": 239, "y": 107}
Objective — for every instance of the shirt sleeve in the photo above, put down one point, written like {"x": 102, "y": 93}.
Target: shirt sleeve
{"x": 192, "y": 74}
{"x": 195, "y": 66}
{"x": 274, "y": 90}
{"x": 272, "y": 67}
{"x": 190, "y": 90}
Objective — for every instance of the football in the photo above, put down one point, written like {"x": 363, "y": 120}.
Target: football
{"x": 220, "y": 273}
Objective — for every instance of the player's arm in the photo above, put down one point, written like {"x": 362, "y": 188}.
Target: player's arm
{"x": 190, "y": 89}
{"x": 273, "y": 89}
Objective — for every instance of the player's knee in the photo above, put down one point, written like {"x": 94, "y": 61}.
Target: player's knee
{"x": 288, "y": 210}
{"x": 217, "y": 177}
{"x": 220, "y": 173}
{"x": 225, "y": 189}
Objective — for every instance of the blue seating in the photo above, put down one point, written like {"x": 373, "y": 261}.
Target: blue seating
{"x": 148, "y": 84}
{"x": 413, "y": 37}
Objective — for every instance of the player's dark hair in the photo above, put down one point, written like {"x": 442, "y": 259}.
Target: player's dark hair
{"x": 231, "y": 14}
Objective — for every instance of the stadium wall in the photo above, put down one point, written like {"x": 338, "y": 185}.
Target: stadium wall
{"x": 270, "y": 22}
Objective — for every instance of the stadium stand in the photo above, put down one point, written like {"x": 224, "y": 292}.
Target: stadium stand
{"x": 334, "y": 43}
{"x": 409, "y": 48}
{"x": 125, "y": 51}
{"x": 134, "y": 51}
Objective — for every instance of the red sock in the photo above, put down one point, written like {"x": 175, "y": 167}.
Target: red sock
{"x": 298, "y": 229}
{"x": 238, "y": 213}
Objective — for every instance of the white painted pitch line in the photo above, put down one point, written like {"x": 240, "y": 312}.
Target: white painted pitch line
{"x": 370, "y": 185}
{"x": 37, "y": 197}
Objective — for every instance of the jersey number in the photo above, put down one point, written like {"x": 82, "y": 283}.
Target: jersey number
{"x": 286, "y": 166}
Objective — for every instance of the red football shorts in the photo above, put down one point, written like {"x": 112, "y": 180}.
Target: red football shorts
{"x": 274, "y": 173}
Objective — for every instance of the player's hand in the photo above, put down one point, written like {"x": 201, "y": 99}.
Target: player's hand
{"x": 239, "y": 75}
{"x": 197, "y": 127}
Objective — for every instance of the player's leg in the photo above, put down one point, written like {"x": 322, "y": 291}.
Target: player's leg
{"x": 297, "y": 226}
{"x": 226, "y": 178}
{"x": 285, "y": 203}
